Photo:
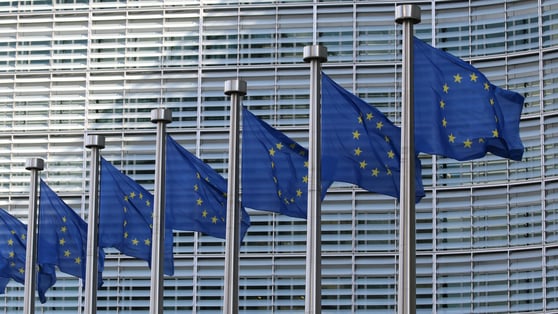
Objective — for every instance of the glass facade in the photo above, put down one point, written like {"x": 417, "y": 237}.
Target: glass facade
{"x": 487, "y": 230}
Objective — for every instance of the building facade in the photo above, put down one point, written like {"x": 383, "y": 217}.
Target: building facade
{"x": 487, "y": 230}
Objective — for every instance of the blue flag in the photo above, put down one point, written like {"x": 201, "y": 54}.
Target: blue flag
{"x": 458, "y": 113}
{"x": 13, "y": 241}
{"x": 196, "y": 197}
{"x": 274, "y": 169}
{"x": 359, "y": 144}
{"x": 62, "y": 240}
{"x": 126, "y": 217}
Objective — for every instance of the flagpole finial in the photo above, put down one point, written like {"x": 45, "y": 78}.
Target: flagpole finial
{"x": 315, "y": 52}
{"x": 161, "y": 115}
{"x": 34, "y": 164}
{"x": 95, "y": 141}
{"x": 235, "y": 86}
{"x": 407, "y": 12}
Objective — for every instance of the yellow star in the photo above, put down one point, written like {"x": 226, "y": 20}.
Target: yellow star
{"x": 292, "y": 145}
{"x": 67, "y": 253}
{"x": 492, "y": 101}
{"x": 451, "y": 138}
{"x": 473, "y": 77}
{"x": 199, "y": 201}
{"x": 148, "y": 203}
{"x": 386, "y": 138}
{"x": 147, "y": 242}
{"x": 299, "y": 192}
{"x": 444, "y": 122}
{"x": 77, "y": 260}
{"x": 21, "y": 270}
{"x": 467, "y": 143}
{"x": 10, "y": 242}
{"x": 196, "y": 187}
{"x": 442, "y": 104}
{"x": 272, "y": 165}
{"x": 279, "y": 193}
{"x": 305, "y": 179}
{"x": 279, "y": 146}
{"x": 125, "y": 223}
{"x": 446, "y": 88}
{"x": 494, "y": 133}
{"x": 11, "y": 254}
{"x": 486, "y": 86}
{"x": 272, "y": 152}
{"x": 359, "y": 119}
{"x": 306, "y": 164}
{"x": 132, "y": 194}
{"x": 63, "y": 229}
{"x": 363, "y": 164}
{"x": 62, "y": 241}
{"x": 64, "y": 218}
{"x": 356, "y": 135}
{"x": 457, "y": 78}
{"x": 369, "y": 116}
{"x": 126, "y": 235}
{"x": 125, "y": 209}
{"x": 275, "y": 180}
{"x": 481, "y": 140}
{"x": 358, "y": 151}
{"x": 204, "y": 213}
{"x": 141, "y": 196}
{"x": 126, "y": 198}
{"x": 391, "y": 154}
{"x": 388, "y": 172}
{"x": 214, "y": 219}
{"x": 375, "y": 172}
{"x": 135, "y": 241}
{"x": 23, "y": 237}
{"x": 379, "y": 125}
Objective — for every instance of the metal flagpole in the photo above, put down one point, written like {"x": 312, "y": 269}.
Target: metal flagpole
{"x": 161, "y": 117}
{"x": 315, "y": 55}
{"x": 96, "y": 143}
{"x": 236, "y": 89}
{"x": 407, "y": 15}
{"x": 34, "y": 165}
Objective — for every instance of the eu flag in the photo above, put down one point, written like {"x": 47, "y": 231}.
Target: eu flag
{"x": 458, "y": 113}
{"x": 62, "y": 239}
{"x": 126, "y": 217}
{"x": 359, "y": 144}
{"x": 13, "y": 240}
{"x": 274, "y": 169}
{"x": 196, "y": 195}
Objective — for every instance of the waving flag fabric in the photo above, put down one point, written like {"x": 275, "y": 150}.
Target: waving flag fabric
{"x": 274, "y": 169}
{"x": 196, "y": 195}
{"x": 126, "y": 217}
{"x": 359, "y": 144}
{"x": 458, "y": 113}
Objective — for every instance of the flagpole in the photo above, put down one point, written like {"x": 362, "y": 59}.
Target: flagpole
{"x": 96, "y": 143}
{"x": 315, "y": 55}
{"x": 34, "y": 165}
{"x": 161, "y": 117}
{"x": 407, "y": 15}
{"x": 236, "y": 89}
